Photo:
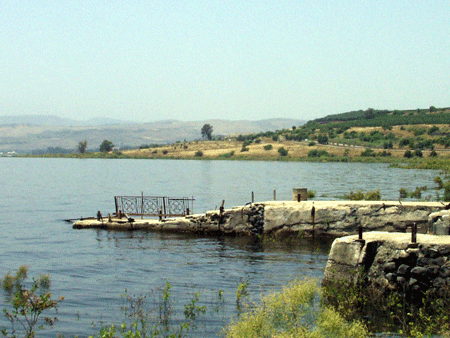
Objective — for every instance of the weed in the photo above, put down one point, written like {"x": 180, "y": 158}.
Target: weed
{"x": 291, "y": 313}
{"x": 27, "y": 304}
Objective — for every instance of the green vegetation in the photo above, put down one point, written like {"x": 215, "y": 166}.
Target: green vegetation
{"x": 400, "y": 137}
{"x": 106, "y": 146}
{"x": 374, "y": 195}
{"x": 292, "y": 313}
{"x": 390, "y": 310}
{"x": 82, "y": 146}
{"x": 301, "y": 309}
{"x": 227, "y": 156}
{"x": 198, "y": 153}
{"x": 318, "y": 153}
{"x": 206, "y": 131}
{"x": 27, "y": 304}
{"x": 282, "y": 151}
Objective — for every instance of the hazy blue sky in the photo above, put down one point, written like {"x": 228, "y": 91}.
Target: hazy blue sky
{"x": 195, "y": 60}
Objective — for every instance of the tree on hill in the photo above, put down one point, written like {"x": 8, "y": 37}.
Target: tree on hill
{"x": 369, "y": 114}
{"x": 82, "y": 146}
{"x": 207, "y": 130}
{"x": 106, "y": 146}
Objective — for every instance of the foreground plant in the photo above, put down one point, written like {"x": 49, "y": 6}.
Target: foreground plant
{"x": 293, "y": 312}
{"x": 153, "y": 317}
{"x": 27, "y": 305}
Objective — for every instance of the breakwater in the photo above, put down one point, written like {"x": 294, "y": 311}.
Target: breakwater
{"x": 391, "y": 262}
{"x": 318, "y": 218}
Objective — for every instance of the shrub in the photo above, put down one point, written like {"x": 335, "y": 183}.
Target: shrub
{"x": 322, "y": 139}
{"x": 419, "y": 131}
{"x": 408, "y": 154}
{"x": 439, "y": 182}
{"x": 28, "y": 304}
{"x": 268, "y": 147}
{"x": 165, "y": 151}
{"x": 404, "y": 142}
{"x": 317, "y": 153}
{"x": 418, "y": 192}
{"x": 403, "y": 193}
{"x": 312, "y": 143}
{"x": 374, "y": 195}
{"x": 434, "y": 130}
{"x": 433, "y": 153}
{"x": 227, "y": 155}
{"x": 292, "y": 313}
{"x": 282, "y": 151}
{"x": 384, "y": 153}
{"x": 418, "y": 153}
{"x": 368, "y": 153}
{"x": 447, "y": 191}
{"x": 244, "y": 149}
{"x": 199, "y": 153}
{"x": 388, "y": 145}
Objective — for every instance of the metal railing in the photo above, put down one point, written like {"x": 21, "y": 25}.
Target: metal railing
{"x": 154, "y": 206}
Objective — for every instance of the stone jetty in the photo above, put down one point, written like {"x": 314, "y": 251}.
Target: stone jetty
{"x": 318, "y": 218}
{"x": 392, "y": 262}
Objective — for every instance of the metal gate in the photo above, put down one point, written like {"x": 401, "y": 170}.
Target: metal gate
{"x": 154, "y": 205}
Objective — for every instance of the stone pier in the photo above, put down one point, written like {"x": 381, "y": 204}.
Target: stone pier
{"x": 390, "y": 262}
{"x": 318, "y": 218}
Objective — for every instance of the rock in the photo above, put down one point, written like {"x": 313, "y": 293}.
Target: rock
{"x": 419, "y": 272}
{"x": 389, "y": 267}
{"x": 403, "y": 269}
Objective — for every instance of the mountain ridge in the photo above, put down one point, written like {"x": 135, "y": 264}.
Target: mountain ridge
{"x": 30, "y": 133}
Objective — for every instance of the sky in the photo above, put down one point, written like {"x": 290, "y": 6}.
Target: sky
{"x": 195, "y": 60}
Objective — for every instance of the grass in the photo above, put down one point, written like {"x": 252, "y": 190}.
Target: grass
{"x": 292, "y": 313}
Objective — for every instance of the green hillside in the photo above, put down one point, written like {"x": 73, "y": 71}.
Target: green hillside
{"x": 373, "y": 117}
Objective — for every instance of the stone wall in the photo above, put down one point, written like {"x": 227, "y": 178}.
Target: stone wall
{"x": 391, "y": 262}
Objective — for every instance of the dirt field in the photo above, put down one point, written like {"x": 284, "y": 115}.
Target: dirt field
{"x": 233, "y": 150}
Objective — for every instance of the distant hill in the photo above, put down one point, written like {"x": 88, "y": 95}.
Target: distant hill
{"x": 50, "y": 120}
{"x": 26, "y": 134}
{"x": 375, "y": 117}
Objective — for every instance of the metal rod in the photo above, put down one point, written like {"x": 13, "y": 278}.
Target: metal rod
{"x": 414, "y": 233}
{"x": 142, "y": 205}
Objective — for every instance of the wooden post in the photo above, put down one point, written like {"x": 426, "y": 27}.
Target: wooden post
{"x": 274, "y": 195}
{"x": 253, "y": 197}
{"x": 116, "y": 203}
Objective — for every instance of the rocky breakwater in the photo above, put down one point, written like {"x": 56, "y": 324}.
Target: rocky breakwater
{"x": 321, "y": 218}
{"x": 382, "y": 263}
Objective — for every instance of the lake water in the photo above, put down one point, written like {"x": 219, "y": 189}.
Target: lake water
{"x": 91, "y": 268}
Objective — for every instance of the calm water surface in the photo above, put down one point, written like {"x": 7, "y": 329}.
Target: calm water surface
{"x": 91, "y": 268}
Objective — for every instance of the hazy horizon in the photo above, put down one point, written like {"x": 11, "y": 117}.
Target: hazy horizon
{"x": 173, "y": 60}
